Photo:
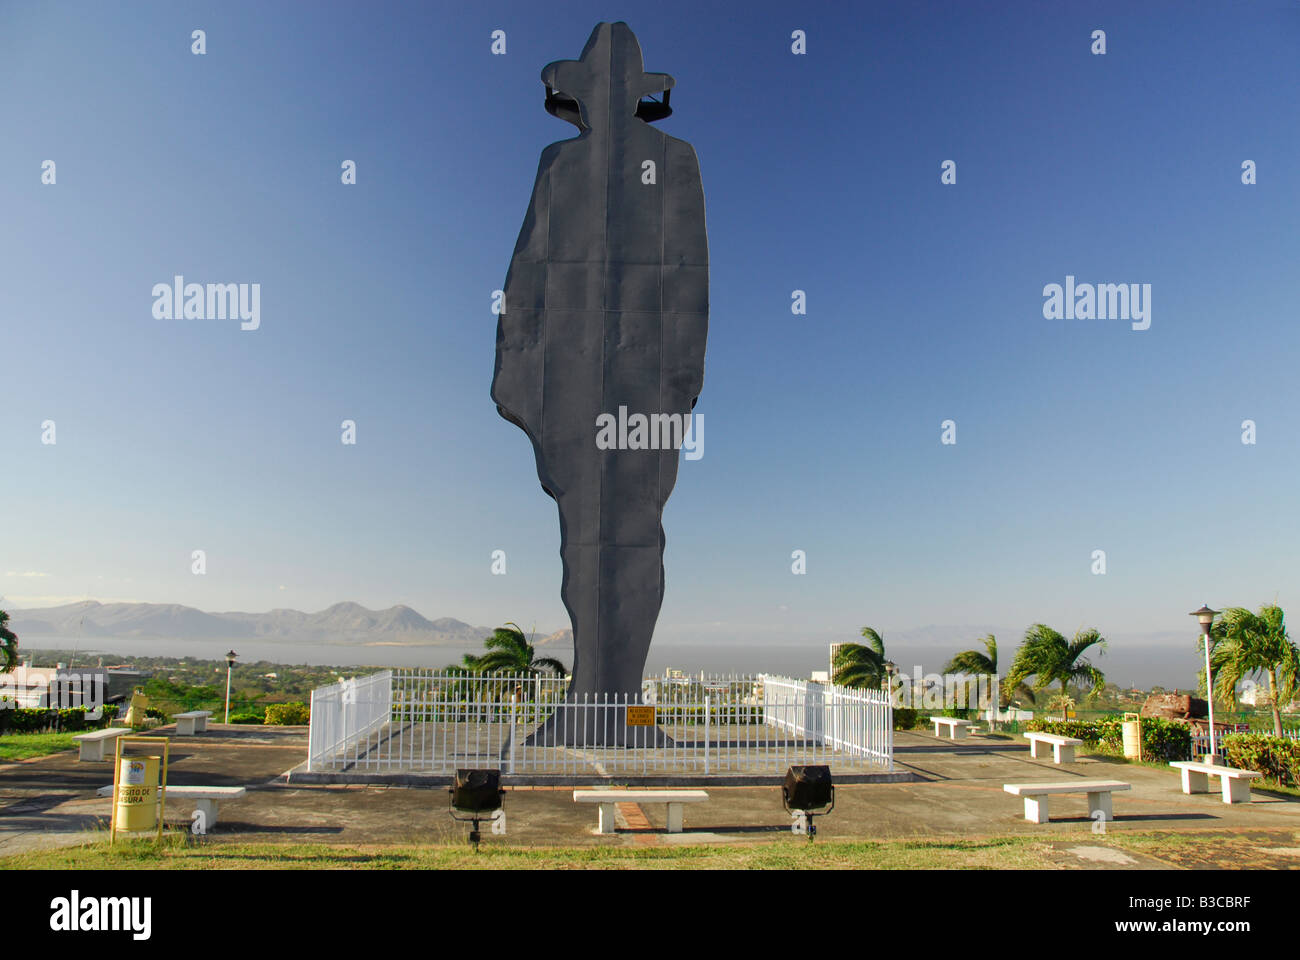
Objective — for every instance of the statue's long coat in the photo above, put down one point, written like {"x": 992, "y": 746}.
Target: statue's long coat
{"x": 606, "y": 305}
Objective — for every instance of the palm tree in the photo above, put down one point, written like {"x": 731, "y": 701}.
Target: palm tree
{"x": 860, "y": 665}
{"x": 1251, "y": 644}
{"x": 986, "y": 664}
{"x": 1049, "y": 658}
{"x": 8, "y": 644}
{"x": 972, "y": 661}
{"x": 509, "y": 652}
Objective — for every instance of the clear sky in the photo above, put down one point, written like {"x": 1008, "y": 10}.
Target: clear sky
{"x": 821, "y": 173}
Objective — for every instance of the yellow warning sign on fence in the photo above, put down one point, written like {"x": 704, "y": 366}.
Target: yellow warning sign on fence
{"x": 640, "y": 716}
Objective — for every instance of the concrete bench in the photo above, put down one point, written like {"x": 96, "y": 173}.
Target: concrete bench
{"x": 1036, "y": 794}
{"x": 91, "y": 745}
{"x": 957, "y": 729}
{"x": 607, "y": 799}
{"x": 188, "y": 724}
{"x": 1062, "y": 747}
{"x": 1235, "y": 782}
{"x": 205, "y": 798}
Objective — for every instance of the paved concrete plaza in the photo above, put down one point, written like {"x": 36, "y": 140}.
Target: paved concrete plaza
{"x": 957, "y": 792}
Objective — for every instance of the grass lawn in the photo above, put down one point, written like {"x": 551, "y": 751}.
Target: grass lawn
{"x": 182, "y": 852}
{"x": 187, "y": 853}
{"x": 21, "y": 746}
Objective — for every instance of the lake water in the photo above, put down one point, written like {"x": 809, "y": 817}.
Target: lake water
{"x": 1171, "y": 666}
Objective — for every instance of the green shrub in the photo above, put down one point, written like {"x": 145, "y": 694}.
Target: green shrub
{"x": 905, "y": 718}
{"x": 40, "y": 720}
{"x": 1277, "y": 758}
{"x": 247, "y": 718}
{"x": 1162, "y": 739}
{"x": 287, "y": 714}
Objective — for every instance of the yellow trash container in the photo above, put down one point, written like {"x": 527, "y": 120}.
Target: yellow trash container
{"x": 1132, "y": 734}
{"x": 137, "y": 793}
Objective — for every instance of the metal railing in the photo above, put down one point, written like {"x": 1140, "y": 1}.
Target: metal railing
{"x": 1201, "y": 741}
{"x": 434, "y": 722}
{"x": 345, "y": 714}
{"x": 1200, "y": 746}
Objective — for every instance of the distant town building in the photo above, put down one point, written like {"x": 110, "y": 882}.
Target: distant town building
{"x": 37, "y": 688}
{"x": 835, "y": 648}
{"x": 124, "y": 679}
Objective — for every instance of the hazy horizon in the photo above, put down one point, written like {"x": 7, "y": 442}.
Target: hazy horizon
{"x": 1134, "y": 661}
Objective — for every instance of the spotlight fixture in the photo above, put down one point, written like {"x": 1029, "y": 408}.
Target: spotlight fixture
{"x": 479, "y": 794}
{"x": 805, "y": 791}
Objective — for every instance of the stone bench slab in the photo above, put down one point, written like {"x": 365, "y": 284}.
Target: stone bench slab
{"x": 1062, "y": 747}
{"x": 188, "y": 724}
{"x": 91, "y": 745}
{"x": 1035, "y": 796}
{"x": 205, "y": 798}
{"x": 1234, "y": 781}
{"x": 607, "y": 799}
{"x": 958, "y": 729}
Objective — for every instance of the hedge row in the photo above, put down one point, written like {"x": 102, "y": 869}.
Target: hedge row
{"x": 1277, "y": 758}
{"x": 28, "y": 720}
{"x": 1161, "y": 739}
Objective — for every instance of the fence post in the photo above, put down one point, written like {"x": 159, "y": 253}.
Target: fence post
{"x": 706, "y": 733}
{"x": 514, "y": 705}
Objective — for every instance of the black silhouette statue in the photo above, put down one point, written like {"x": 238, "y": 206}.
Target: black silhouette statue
{"x": 606, "y": 307}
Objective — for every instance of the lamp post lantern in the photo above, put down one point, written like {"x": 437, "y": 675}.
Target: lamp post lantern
{"x": 1206, "y": 617}
{"x": 231, "y": 657}
{"x": 887, "y": 679}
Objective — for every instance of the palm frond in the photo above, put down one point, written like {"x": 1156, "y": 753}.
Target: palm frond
{"x": 874, "y": 640}
{"x": 551, "y": 664}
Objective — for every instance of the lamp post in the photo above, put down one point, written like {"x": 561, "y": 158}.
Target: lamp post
{"x": 1206, "y": 617}
{"x": 231, "y": 657}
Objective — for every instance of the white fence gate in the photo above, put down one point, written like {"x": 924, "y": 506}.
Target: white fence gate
{"x": 349, "y": 712}
{"x": 424, "y": 721}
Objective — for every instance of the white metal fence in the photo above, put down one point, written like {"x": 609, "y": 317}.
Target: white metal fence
{"x": 1201, "y": 742}
{"x": 433, "y": 722}
{"x": 346, "y": 713}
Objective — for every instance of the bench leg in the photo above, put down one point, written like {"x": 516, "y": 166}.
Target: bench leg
{"x": 1033, "y": 749}
{"x": 1063, "y": 752}
{"x": 1195, "y": 782}
{"x": 201, "y": 725}
{"x": 207, "y": 807}
{"x": 959, "y": 732}
{"x": 185, "y": 727}
{"x": 606, "y": 823}
{"x": 1235, "y": 790}
{"x": 1036, "y": 809}
{"x": 1100, "y": 802}
{"x": 937, "y": 731}
{"x": 674, "y": 818}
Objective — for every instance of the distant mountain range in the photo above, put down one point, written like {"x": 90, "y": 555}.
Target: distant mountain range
{"x": 343, "y": 623}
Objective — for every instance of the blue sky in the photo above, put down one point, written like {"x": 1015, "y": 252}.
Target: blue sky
{"x": 821, "y": 173}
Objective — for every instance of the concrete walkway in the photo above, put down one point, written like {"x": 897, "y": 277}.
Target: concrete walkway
{"x": 957, "y": 793}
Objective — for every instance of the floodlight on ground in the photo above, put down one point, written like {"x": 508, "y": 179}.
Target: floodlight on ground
{"x": 479, "y": 794}
{"x": 807, "y": 792}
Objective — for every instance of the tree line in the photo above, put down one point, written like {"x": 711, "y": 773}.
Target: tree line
{"x": 1246, "y": 647}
